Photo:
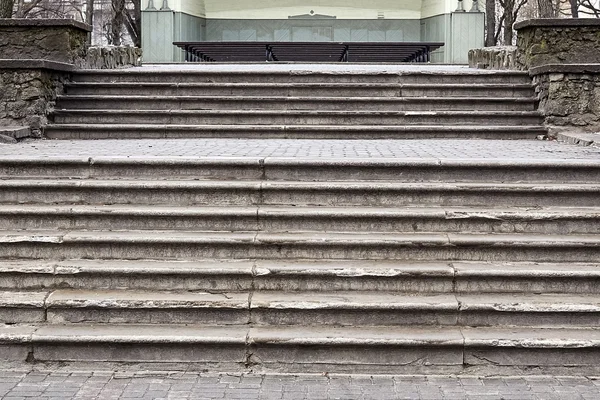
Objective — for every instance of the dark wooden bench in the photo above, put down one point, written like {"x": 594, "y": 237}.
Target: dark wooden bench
{"x": 393, "y": 52}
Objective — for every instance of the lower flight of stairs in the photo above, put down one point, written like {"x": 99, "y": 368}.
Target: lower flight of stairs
{"x": 385, "y": 266}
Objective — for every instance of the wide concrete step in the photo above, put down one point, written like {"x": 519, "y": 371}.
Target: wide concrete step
{"x": 353, "y": 172}
{"x": 243, "y": 193}
{"x": 300, "y": 89}
{"x": 247, "y": 102}
{"x": 299, "y": 349}
{"x": 226, "y": 275}
{"x": 284, "y": 218}
{"x": 306, "y": 308}
{"x": 400, "y": 78}
{"x": 173, "y": 131}
{"x": 138, "y": 245}
{"x": 296, "y": 117}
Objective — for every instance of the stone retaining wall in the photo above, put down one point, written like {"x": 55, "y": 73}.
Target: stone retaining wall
{"x": 29, "y": 89}
{"x": 60, "y": 40}
{"x": 569, "y": 95}
{"x": 558, "y": 41}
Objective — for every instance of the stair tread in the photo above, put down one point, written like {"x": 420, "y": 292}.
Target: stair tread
{"x": 394, "y": 85}
{"x": 221, "y": 267}
{"x": 136, "y": 299}
{"x": 283, "y": 185}
{"x": 465, "y": 212}
{"x": 303, "y": 237}
{"x": 345, "y": 99}
{"x": 301, "y": 112}
{"x": 298, "y": 127}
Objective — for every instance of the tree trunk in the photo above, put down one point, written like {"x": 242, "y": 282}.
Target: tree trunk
{"x": 6, "y": 8}
{"x": 133, "y": 23}
{"x": 546, "y": 9}
{"x": 89, "y": 18}
{"x": 509, "y": 20}
{"x": 490, "y": 23}
{"x": 574, "y": 8}
{"x": 117, "y": 22}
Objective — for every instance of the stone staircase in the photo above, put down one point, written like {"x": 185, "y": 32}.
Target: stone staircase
{"x": 297, "y": 104}
{"x": 299, "y": 264}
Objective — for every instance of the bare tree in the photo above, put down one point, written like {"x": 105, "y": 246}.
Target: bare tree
{"x": 510, "y": 12}
{"x": 546, "y": 8}
{"x": 574, "y": 8}
{"x": 490, "y": 23}
{"x": 6, "y": 8}
{"x": 116, "y": 26}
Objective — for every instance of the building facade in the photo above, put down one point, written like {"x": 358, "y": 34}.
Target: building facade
{"x": 167, "y": 21}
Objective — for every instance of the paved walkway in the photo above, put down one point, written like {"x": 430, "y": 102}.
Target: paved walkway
{"x": 336, "y": 149}
{"x": 154, "y": 385}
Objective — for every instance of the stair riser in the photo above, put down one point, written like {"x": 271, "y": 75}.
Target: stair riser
{"x": 304, "y": 104}
{"x": 297, "y": 282}
{"x": 197, "y": 118}
{"x": 547, "y": 284}
{"x": 229, "y": 282}
{"x": 137, "y": 250}
{"x": 105, "y": 168}
{"x": 139, "y": 315}
{"x": 93, "y": 133}
{"x": 331, "y": 91}
{"x": 274, "y": 77}
{"x": 274, "y": 172}
{"x": 244, "y": 196}
{"x": 270, "y": 317}
{"x": 209, "y": 355}
{"x": 272, "y": 357}
{"x": 248, "y": 221}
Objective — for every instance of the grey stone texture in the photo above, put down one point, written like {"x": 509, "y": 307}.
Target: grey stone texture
{"x": 558, "y": 41}
{"x": 497, "y": 58}
{"x": 64, "y": 384}
{"x": 27, "y": 96}
{"x": 112, "y": 57}
{"x": 55, "y": 40}
{"x": 569, "y": 96}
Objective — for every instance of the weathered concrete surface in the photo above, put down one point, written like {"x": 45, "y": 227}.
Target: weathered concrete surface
{"x": 48, "y": 39}
{"x": 558, "y": 41}
{"x": 28, "y": 95}
{"x": 112, "y": 57}
{"x": 569, "y": 95}
{"x": 496, "y": 58}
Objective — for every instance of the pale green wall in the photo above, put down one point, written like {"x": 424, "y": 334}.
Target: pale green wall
{"x": 460, "y": 31}
{"x": 313, "y": 29}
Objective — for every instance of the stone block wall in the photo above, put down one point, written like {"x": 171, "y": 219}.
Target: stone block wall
{"x": 57, "y": 40}
{"x": 37, "y": 57}
{"x": 569, "y": 95}
{"x": 29, "y": 92}
{"x": 558, "y": 41}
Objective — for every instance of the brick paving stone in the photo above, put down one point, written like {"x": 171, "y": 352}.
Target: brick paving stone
{"x": 307, "y": 148}
{"x": 305, "y": 387}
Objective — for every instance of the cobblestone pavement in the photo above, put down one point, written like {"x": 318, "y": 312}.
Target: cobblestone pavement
{"x": 336, "y": 149}
{"x": 154, "y": 385}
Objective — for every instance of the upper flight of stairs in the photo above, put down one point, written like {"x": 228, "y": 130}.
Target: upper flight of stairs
{"x": 275, "y": 104}
{"x": 428, "y": 265}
